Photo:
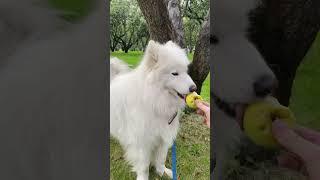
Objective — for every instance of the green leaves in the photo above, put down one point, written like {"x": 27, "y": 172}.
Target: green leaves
{"x": 72, "y": 10}
{"x": 128, "y": 27}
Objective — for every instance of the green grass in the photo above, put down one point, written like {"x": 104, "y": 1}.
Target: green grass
{"x": 305, "y": 101}
{"x": 193, "y": 141}
{"x": 132, "y": 57}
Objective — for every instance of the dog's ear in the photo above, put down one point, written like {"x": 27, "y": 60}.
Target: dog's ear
{"x": 151, "y": 53}
{"x": 175, "y": 45}
{"x": 172, "y": 44}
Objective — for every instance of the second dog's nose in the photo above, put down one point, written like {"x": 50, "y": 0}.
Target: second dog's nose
{"x": 264, "y": 85}
{"x": 192, "y": 88}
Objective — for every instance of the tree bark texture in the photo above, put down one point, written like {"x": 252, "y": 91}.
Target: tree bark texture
{"x": 200, "y": 68}
{"x": 165, "y": 23}
{"x": 283, "y": 31}
{"x": 176, "y": 20}
{"x": 163, "y": 26}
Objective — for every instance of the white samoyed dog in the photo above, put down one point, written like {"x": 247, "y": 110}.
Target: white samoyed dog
{"x": 241, "y": 76}
{"x": 145, "y": 103}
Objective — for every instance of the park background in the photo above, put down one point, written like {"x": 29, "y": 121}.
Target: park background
{"x": 129, "y": 35}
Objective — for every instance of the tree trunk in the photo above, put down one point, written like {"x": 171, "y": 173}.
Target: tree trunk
{"x": 112, "y": 46}
{"x": 176, "y": 19}
{"x": 162, "y": 27}
{"x": 126, "y": 48}
{"x": 165, "y": 23}
{"x": 284, "y": 34}
{"x": 199, "y": 68}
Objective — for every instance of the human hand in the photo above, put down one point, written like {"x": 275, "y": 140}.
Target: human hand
{"x": 302, "y": 148}
{"x": 204, "y": 110}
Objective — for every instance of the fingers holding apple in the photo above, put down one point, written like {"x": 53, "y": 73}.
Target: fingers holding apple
{"x": 258, "y": 118}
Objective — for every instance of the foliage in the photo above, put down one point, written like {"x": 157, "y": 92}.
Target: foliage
{"x": 193, "y": 13}
{"x": 72, "y": 9}
{"x": 128, "y": 27}
{"x": 129, "y": 30}
{"x": 195, "y": 10}
{"x": 191, "y": 31}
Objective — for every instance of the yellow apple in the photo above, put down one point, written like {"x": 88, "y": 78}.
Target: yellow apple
{"x": 191, "y": 98}
{"x": 258, "y": 118}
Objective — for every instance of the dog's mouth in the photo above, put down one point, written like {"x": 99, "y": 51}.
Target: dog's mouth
{"x": 177, "y": 94}
{"x": 235, "y": 110}
{"x": 182, "y": 96}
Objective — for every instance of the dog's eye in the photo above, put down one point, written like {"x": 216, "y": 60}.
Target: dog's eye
{"x": 175, "y": 74}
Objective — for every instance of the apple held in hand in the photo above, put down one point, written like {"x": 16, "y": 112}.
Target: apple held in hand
{"x": 191, "y": 98}
{"x": 258, "y": 120}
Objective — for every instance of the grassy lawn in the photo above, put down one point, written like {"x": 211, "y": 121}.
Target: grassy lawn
{"x": 193, "y": 141}
{"x": 305, "y": 101}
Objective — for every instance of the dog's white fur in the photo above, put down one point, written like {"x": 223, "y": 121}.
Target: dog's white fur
{"x": 231, "y": 16}
{"x": 117, "y": 67}
{"x": 236, "y": 65}
{"x": 143, "y": 101}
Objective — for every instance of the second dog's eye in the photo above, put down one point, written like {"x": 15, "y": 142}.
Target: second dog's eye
{"x": 175, "y": 73}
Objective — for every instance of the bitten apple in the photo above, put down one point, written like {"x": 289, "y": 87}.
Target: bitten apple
{"x": 258, "y": 118}
{"x": 191, "y": 98}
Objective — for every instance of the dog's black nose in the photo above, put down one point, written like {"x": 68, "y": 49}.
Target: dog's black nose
{"x": 264, "y": 85}
{"x": 192, "y": 88}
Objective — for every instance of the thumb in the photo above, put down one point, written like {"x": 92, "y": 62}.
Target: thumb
{"x": 293, "y": 142}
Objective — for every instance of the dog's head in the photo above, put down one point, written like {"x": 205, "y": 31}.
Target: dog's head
{"x": 241, "y": 75}
{"x": 167, "y": 69}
